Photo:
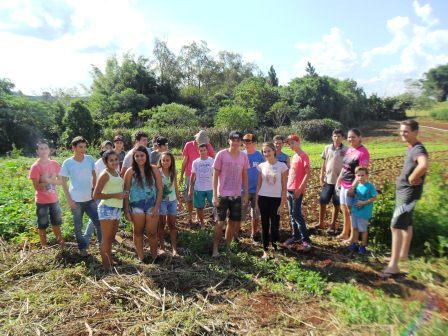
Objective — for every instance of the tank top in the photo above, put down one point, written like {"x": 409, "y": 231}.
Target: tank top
{"x": 138, "y": 193}
{"x": 169, "y": 192}
{"x": 113, "y": 186}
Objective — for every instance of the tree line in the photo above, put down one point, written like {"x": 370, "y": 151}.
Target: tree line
{"x": 195, "y": 88}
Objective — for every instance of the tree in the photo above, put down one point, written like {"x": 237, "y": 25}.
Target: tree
{"x": 272, "y": 76}
{"x": 236, "y": 117}
{"x": 6, "y": 86}
{"x": 166, "y": 64}
{"x": 173, "y": 114}
{"x": 280, "y": 113}
{"x": 78, "y": 121}
{"x": 310, "y": 70}
{"x": 435, "y": 82}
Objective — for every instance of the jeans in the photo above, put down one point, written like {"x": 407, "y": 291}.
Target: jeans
{"x": 90, "y": 208}
{"x": 298, "y": 224}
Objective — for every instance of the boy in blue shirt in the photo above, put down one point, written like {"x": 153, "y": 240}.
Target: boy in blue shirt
{"x": 364, "y": 195}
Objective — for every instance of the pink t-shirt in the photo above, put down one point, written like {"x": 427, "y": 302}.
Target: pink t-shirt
{"x": 231, "y": 172}
{"x": 353, "y": 158}
{"x": 300, "y": 165}
{"x": 50, "y": 169}
{"x": 191, "y": 151}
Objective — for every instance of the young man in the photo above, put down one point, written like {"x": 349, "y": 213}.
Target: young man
{"x": 140, "y": 139}
{"x": 80, "y": 171}
{"x": 332, "y": 156}
{"x": 161, "y": 146}
{"x": 44, "y": 173}
{"x": 279, "y": 155}
{"x": 409, "y": 190}
{"x": 119, "y": 149}
{"x": 230, "y": 173}
{"x": 191, "y": 153}
{"x": 201, "y": 182}
{"x": 255, "y": 158}
{"x": 298, "y": 177}
{"x": 99, "y": 164}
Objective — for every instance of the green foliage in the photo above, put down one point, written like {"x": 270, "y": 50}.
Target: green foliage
{"x": 272, "y": 76}
{"x": 236, "y": 117}
{"x": 379, "y": 229}
{"x": 78, "y": 121}
{"x": 280, "y": 113}
{"x": 306, "y": 281}
{"x": 173, "y": 114}
{"x": 315, "y": 130}
{"x": 440, "y": 111}
{"x": 357, "y": 307}
{"x": 435, "y": 82}
{"x": 118, "y": 120}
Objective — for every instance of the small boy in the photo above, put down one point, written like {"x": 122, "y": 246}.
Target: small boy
{"x": 44, "y": 174}
{"x": 161, "y": 145}
{"x": 201, "y": 182}
{"x": 364, "y": 194}
{"x": 279, "y": 155}
{"x": 80, "y": 171}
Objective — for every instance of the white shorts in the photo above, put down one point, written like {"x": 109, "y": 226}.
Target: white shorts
{"x": 344, "y": 198}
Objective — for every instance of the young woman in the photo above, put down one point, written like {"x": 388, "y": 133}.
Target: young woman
{"x": 109, "y": 189}
{"x": 356, "y": 156}
{"x": 171, "y": 200}
{"x": 271, "y": 195}
{"x": 144, "y": 185}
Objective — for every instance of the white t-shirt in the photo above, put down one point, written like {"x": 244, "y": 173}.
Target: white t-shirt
{"x": 271, "y": 174}
{"x": 99, "y": 167}
{"x": 80, "y": 176}
{"x": 204, "y": 174}
{"x": 127, "y": 161}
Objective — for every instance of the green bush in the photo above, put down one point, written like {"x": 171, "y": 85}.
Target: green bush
{"x": 173, "y": 114}
{"x": 306, "y": 281}
{"x": 236, "y": 117}
{"x": 315, "y": 129}
{"x": 440, "y": 112}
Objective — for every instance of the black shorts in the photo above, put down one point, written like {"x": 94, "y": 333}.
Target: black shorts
{"x": 329, "y": 192}
{"x": 402, "y": 217}
{"x": 230, "y": 204}
{"x": 46, "y": 213}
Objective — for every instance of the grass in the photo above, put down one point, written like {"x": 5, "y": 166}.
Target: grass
{"x": 438, "y": 111}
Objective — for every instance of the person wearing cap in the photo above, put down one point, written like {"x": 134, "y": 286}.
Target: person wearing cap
{"x": 119, "y": 149}
{"x": 191, "y": 153}
{"x": 229, "y": 174}
{"x": 299, "y": 174}
{"x": 255, "y": 158}
{"x": 161, "y": 146}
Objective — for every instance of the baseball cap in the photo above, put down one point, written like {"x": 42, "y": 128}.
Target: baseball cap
{"x": 202, "y": 137}
{"x": 250, "y": 137}
{"x": 293, "y": 137}
{"x": 118, "y": 138}
{"x": 235, "y": 135}
{"x": 162, "y": 141}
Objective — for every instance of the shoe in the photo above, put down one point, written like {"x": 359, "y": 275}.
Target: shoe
{"x": 291, "y": 241}
{"x": 362, "y": 250}
{"x": 83, "y": 253}
{"x": 306, "y": 246}
{"x": 353, "y": 247}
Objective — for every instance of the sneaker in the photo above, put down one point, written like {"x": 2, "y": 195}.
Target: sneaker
{"x": 291, "y": 241}
{"x": 362, "y": 250}
{"x": 307, "y": 246}
{"x": 353, "y": 247}
{"x": 83, "y": 253}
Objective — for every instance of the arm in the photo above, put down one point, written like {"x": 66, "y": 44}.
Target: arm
{"x": 67, "y": 193}
{"x": 37, "y": 184}
{"x": 245, "y": 187}
{"x": 259, "y": 182}
{"x": 127, "y": 187}
{"x": 323, "y": 169}
{"x": 422, "y": 167}
{"x": 159, "y": 187}
{"x": 184, "y": 167}
{"x": 288, "y": 161}
{"x": 176, "y": 188}
{"x": 216, "y": 173}
{"x": 284, "y": 188}
{"x": 192, "y": 181}
{"x": 98, "y": 191}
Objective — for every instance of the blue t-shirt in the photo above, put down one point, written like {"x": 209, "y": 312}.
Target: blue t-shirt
{"x": 282, "y": 157}
{"x": 252, "y": 173}
{"x": 362, "y": 193}
{"x": 80, "y": 177}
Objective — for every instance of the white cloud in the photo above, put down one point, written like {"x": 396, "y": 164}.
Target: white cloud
{"x": 425, "y": 13}
{"x": 333, "y": 55}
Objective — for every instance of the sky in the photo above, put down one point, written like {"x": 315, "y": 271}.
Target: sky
{"x": 46, "y": 45}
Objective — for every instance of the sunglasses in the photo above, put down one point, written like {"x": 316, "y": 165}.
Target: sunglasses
{"x": 247, "y": 141}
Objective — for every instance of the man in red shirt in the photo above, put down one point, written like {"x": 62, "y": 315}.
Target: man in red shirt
{"x": 191, "y": 153}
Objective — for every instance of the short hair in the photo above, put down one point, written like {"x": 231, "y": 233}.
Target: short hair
{"x": 279, "y": 137}
{"x": 202, "y": 145}
{"x": 77, "y": 140}
{"x": 355, "y": 130}
{"x": 411, "y": 123}
{"x": 154, "y": 138}
{"x": 268, "y": 144}
{"x": 338, "y": 131}
{"x": 42, "y": 142}
{"x": 140, "y": 134}
{"x": 364, "y": 169}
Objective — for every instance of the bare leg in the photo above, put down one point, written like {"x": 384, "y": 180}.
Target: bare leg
{"x": 108, "y": 234}
{"x": 43, "y": 237}
{"x": 347, "y": 222}
{"x": 407, "y": 238}
{"x": 322, "y": 209}
{"x": 334, "y": 216}
{"x": 364, "y": 236}
{"x": 151, "y": 231}
{"x": 190, "y": 210}
{"x": 355, "y": 236}
{"x": 161, "y": 232}
{"x": 217, "y": 237}
{"x": 255, "y": 226}
{"x": 397, "y": 242}
{"x": 230, "y": 232}
{"x": 139, "y": 227}
{"x": 200, "y": 212}
{"x": 236, "y": 229}
{"x": 173, "y": 233}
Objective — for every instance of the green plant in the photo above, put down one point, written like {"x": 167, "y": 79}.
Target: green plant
{"x": 306, "y": 281}
{"x": 236, "y": 117}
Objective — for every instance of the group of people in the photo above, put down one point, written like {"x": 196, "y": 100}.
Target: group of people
{"x": 236, "y": 181}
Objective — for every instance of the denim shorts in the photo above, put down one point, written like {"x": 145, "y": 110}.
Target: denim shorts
{"x": 199, "y": 198}
{"x": 328, "y": 193}
{"x": 142, "y": 207}
{"x": 168, "y": 208}
{"x": 108, "y": 213}
{"x": 344, "y": 198}
{"x": 360, "y": 223}
{"x": 46, "y": 213}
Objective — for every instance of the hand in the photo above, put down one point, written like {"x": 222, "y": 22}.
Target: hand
{"x": 360, "y": 204}
{"x": 322, "y": 181}
{"x": 155, "y": 211}
{"x": 215, "y": 201}
{"x": 281, "y": 206}
{"x": 72, "y": 203}
{"x": 127, "y": 215}
{"x": 415, "y": 181}
{"x": 245, "y": 199}
{"x": 297, "y": 193}
{"x": 121, "y": 195}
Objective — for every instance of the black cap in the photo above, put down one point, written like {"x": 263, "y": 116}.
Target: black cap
{"x": 161, "y": 141}
{"x": 118, "y": 138}
{"x": 235, "y": 135}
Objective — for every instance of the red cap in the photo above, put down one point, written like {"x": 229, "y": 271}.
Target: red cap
{"x": 293, "y": 137}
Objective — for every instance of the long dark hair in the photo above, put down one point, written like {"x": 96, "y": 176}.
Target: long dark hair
{"x": 149, "y": 176}
{"x": 172, "y": 168}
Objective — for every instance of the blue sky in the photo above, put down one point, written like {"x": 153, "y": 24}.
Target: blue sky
{"x": 47, "y": 45}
